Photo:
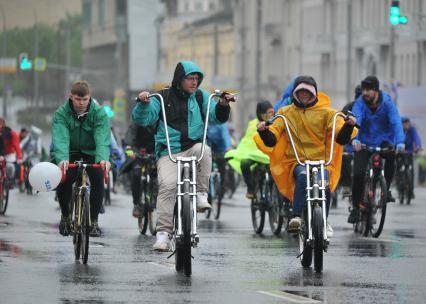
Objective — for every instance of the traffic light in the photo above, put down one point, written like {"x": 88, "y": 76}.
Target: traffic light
{"x": 24, "y": 63}
{"x": 395, "y": 17}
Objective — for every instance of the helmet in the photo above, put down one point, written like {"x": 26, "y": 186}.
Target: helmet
{"x": 45, "y": 176}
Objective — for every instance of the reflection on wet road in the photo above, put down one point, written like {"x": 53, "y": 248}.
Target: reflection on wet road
{"x": 231, "y": 265}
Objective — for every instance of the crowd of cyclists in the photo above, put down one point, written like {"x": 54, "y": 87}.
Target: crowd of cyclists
{"x": 81, "y": 131}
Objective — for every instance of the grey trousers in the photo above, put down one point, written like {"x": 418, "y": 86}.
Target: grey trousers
{"x": 167, "y": 179}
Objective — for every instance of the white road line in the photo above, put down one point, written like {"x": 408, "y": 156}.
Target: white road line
{"x": 288, "y": 296}
{"x": 167, "y": 265}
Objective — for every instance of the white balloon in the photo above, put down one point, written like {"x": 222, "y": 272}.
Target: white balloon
{"x": 45, "y": 176}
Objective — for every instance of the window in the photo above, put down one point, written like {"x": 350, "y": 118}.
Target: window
{"x": 87, "y": 15}
{"x": 101, "y": 13}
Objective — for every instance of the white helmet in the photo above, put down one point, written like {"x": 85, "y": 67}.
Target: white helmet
{"x": 45, "y": 176}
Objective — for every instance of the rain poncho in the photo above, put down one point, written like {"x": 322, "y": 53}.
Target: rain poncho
{"x": 247, "y": 149}
{"x": 311, "y": 130}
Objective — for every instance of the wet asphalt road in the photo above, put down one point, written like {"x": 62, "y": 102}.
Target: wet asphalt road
{"x": 232, "y": 264}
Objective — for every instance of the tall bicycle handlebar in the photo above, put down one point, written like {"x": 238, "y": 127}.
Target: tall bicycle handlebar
{"x": 217, "y": 93}
{"x": 333, "y": 133}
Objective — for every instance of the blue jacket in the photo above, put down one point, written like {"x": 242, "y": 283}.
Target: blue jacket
{"x": 412, "y": 140}
{"x": 218, "y": 138}
{"x": 286, "y": 98}
{"x": 382, "y": 125}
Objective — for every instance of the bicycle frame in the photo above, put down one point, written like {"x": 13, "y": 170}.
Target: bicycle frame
{"x": 315, "y": 192}
{"x": 187, "y": 162}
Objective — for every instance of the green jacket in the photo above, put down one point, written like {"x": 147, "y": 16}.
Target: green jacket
{"x": 90, "y": 135}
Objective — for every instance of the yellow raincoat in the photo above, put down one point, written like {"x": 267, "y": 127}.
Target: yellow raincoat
{"x": 311, "y": 130}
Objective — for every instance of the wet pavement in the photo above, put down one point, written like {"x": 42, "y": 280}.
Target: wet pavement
{"x": 232, "y": 264}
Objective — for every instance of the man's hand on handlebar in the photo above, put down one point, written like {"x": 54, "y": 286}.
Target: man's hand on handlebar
{"x": 350, "y": 120}
{"x": 226, "y": 98}
{"x": 356, "y": 144}
{"x": 106, "y": 165}
{"x": 143, "y": 97}
{"x": 64, "y": 165}
{"x": 262, "y": 126}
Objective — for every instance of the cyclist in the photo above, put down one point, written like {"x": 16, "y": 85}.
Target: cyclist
{"x": 219, "y": 141}
{"x": 81, "y": 131}
{"x": 310, "y": 119}
{"x": 138, "y": 138}
{"x": 345, "y": 176}
{"x": 186, "y": 106}
{"x": 247, "y": 154}
{"x": 381, "y": 126}
{"x": 12, "y": 150}
{"x": 412, "y": 145}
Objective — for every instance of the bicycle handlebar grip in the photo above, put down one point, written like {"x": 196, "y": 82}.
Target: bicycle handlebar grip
{"x": 269, "y": 122}
{"x": 72, "y": 165}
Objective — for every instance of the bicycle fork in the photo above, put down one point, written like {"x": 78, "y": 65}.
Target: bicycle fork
{"x": 190, "y": 163}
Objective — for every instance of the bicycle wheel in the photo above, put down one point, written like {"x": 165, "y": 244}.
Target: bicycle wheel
{"x": 4, "y": 197}
{"x": 151, "y": 208}
{"x": 216, "y": 201}
{"x": 408, "y": 186}
{"x": 183, "y": 245}
{"x": 401, "y": 187}
{"x": 275, "y": 215}
{"x": 74, "y": 210}
{"x": 377, "y": 206}
{"x": 305, "y": 249}
{"x": 85, "y": 227}
{"x": 143, "y": 222}
{"x": 318, "y": 234}
{"x": 257, "y": 216}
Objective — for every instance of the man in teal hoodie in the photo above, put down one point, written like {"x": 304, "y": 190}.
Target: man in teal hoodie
{"x": 186, "y": 107}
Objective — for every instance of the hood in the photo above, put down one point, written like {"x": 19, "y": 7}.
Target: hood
{"x": 310, "y": 81}
{"x": 183, "y": 69}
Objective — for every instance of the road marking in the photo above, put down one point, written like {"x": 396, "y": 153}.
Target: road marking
{"x": 378, "y": 240}
{"x": 167, "y": 265}
{"x": 288, "y": 296}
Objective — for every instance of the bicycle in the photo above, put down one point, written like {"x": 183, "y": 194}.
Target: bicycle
{"x": 233, "y": 180}
{"x": 149, "y": 192}
{"x": 404, "y": 180}
{"x": 80, "y": 209}
{"x": 313, "y": 239}
{"x": 4, "y": 188}
{"x": 24, "y": 184}
{"x": 185, "y": 235}
{"x": 266, "y": 199}
{"x": 373, "y": 208}
{"x": 215, "y": 190}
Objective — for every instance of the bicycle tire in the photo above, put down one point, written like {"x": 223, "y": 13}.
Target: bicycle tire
{"x": 401, "y": 188}
{"x": 186, "y": 224}
{"x": 85, "y": 228}
{"x": 380, "y": 184}
{"x": 305, "y": 249}
{"x": 4, "y": 199}
{"x": 76, "y": 231}
{"x": 143, "y": 223}
{"x": 217, "y": 200}
{"x": 408, "y": 186}
{"x": 151, "y": 209}
{"x": 275, "y": 213}
{"x": 318, "y": 234}
{"x": 257, "y": 216}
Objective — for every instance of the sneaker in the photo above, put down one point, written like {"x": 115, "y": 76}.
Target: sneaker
{"x": 95, "y": 231}
{"x": 65, "y": 226}
{"x": 163, "y": 241}
{"x": 390, "y": 198}
{"x": 202, "y": 202}
{"x": 294, "y": 225}
{"x": 137, "y": 211}
{"x": 329, "y": 231}
{"x": 353, "y": 216}
{"x": 250, "y": 195}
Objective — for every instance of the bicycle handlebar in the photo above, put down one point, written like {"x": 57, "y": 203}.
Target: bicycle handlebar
{"x": 217, "y": 93}
{"x": 377, "y": 149}
{"x": 270, "y": 121}
{"x": 79, "y": 164}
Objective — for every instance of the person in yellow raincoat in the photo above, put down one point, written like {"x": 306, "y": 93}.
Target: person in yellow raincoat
{"x": 244, "y": 158}
{"x": 310, "y": 120}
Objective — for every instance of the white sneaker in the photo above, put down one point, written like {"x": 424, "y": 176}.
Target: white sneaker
{"x": 163, "y": 241}
{"x": 329, "y": 231}
{"x": 203, "y": 202}
{"x": 294, "y": 225}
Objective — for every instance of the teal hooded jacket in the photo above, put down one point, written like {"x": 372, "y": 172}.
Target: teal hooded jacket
{"x": 184, "y": 116}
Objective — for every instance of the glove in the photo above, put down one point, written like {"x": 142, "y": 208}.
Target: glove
{"x": 400, "y": 147}
{"x": 355, "y": 142}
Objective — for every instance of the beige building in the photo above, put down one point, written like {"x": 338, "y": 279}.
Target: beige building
{"x": 25, "y": 13}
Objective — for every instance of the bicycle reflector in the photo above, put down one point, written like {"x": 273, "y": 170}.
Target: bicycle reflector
{"x": 45, "y": 176}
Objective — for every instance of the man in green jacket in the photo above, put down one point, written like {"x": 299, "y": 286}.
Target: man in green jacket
{"x": 81, "y": 131}
{"x": 186, "y": 107}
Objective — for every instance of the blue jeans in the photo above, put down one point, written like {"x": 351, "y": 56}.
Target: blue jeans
{"x": 299, "y": 198}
